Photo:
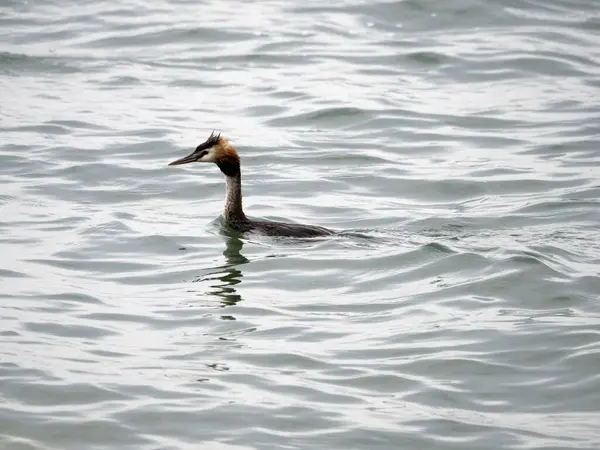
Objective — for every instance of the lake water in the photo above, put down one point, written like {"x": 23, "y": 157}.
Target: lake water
{"x": 457, "y": 146}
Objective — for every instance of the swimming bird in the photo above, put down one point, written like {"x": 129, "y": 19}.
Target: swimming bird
{"x": 218, "y": 151}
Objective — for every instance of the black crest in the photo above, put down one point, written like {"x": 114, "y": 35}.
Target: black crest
{"x": 212, "y": 140}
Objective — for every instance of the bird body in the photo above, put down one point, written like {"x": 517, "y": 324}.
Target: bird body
{"x": 218, "y": 151}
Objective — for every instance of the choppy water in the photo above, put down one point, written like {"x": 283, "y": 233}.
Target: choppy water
{"x": 460, "y": 138}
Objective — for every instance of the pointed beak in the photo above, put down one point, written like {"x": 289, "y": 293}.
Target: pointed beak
{"x": 185, "y": 160}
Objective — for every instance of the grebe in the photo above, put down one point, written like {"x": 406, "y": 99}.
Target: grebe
{"x": 217, "y": 150}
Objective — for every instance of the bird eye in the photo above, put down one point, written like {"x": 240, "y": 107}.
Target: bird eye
{"x": 202, "y": 154}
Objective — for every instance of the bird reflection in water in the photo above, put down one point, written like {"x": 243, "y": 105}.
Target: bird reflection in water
{"x": 228, "y": 274}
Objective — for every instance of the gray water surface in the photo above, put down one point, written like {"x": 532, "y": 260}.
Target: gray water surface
{"x": 455, "y": 144}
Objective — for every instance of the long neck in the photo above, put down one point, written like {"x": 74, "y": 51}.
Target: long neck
{"x": 233, "y": 202}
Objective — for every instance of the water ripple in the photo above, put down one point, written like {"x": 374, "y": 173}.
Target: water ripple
{"x": 453, "y": 144}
